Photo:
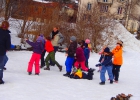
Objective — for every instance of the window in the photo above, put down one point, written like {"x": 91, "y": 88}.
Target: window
{"x": 105, "y": 0}
{"x": 104, "y": 8}
{"x": 120, "y": 10}
{"x": 44, "y": 10}
{"x": 89, "y": 6}
{"x": 36, "y": 8}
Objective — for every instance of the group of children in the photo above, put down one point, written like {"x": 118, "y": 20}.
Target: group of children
{"x": 77, "y": 59}
{"x": 111, "y": 66}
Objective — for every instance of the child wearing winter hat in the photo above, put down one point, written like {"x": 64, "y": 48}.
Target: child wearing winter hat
{"x": 86, "y": 53}
{"x": 106, "y": 65}
{"x": 43, "y": 53}
{"x": 51, "y": 55}
{"x": 80, "y": 59}
{"x": 117, "y": 59}
{"x": 102, "y": 56}
{"x": 89, "y": 44}
{"x": 37, "y": 51}
{"x": 71, "y": 50}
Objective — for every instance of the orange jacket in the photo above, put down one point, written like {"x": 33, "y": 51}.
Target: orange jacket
{"x": 117, "y": 56}
{"x": 49, "y": 46}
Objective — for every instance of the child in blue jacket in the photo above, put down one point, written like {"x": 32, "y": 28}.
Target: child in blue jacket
{"x": 106, "y": 65}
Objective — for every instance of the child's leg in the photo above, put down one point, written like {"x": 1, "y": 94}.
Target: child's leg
{"x": 102, "y": 74}
{"x": 37, "y": 69}
{"x": 83, "y": 66}
{"x": 52, "y": 57}
{"x": 30, "y": 65}
{"x": 76, "y": 64}
{"x": 47, "y": 59}
{"x": 69, "y": 63}
{"x": 109, "y": 71}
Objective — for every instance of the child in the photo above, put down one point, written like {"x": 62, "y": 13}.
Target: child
{"x": 101, "y": 60}
{"x": 86, "y": 53}
{"x": 43, "y": 53}
{"x": 70, "y": 55}
{"x": 37, "y": 51}
{"x": 89, "y": 44}
{"x": 51, "y": 56}
{"x": 78, "y": 74}
{"x": 80, "y": 58}
{"x": 106, "y": 65}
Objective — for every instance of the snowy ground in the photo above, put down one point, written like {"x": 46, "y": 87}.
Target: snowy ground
{"x": 52, "y": 85}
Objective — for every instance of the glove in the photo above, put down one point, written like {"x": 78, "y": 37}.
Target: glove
{"x": 98, "y": 65}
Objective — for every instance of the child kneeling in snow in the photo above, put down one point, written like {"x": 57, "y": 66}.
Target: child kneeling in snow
{"x": 78, "y": 74}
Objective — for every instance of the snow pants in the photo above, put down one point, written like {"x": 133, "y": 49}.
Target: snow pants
{"x": 82, "y": 65}
{"x": 116, "y": 70}
{"x": 68, "y": 63}
{"x": 103, "y": 71}
{"x": 35, "y": 58}
{"x": 5, "y": 59}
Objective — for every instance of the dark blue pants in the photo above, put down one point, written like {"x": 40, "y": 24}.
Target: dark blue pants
{"x": 116, "y": 70}
{"x": 69, "y": 62}
{"x": 42, "y": 58}
{"x": 1, "y": 66}
{"x": 5, "y": 59}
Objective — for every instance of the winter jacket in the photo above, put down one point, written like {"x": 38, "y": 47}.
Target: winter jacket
{"x": 72, "y": 49}
{"x": 5, "y": 41}
{"x": 117, "y": 56}
{"x": 86, "y": 53}
{"x": 58, "y": 38}
{"x": 49, "y": 46}
{"x": 107, "y": 60}
{"x": 37, "y": 46}
{"x": 80, "y": 55}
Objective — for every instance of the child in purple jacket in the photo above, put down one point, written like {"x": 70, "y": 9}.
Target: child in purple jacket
{"x": 37, "y": 51}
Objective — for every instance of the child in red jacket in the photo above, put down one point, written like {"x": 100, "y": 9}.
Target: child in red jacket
{"x": 51, "y": 56}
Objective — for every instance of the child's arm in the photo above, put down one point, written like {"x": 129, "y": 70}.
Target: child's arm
{"x": 30, "y": 43}
{"x": 106, "y": 61}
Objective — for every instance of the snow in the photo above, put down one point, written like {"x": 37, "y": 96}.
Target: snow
{"x": 52, "y": 85}
{"x": 42, "y": 1}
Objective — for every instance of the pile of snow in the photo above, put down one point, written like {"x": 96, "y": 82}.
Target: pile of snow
{"x": 119, "y": 32}
{"x": 42, "y": 1}
{"x": 128, "y": 39}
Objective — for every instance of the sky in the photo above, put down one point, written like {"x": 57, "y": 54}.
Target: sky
{"x": 52, "y": 85}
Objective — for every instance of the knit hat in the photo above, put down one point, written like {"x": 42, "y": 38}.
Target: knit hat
{"x": 107, "y": 50}
{"x": 40, "y": 39}
{"x": 73, "y": 38}
{"x": 87, "y": 41}
{"x": 120, "y": 42}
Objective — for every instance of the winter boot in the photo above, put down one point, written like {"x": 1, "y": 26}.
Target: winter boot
{"x": 102, "y": 83}
{"x": 36, "y": 73}
{"x": 29, "y": 73}
{"x": 1, "y": 81}
{"x": 4, "y": 68}
{"x": 111, "y": 81}
{"x": 67, "y": 74}
{"x": 47, "y": 68}
{"x": 60, "y": 68}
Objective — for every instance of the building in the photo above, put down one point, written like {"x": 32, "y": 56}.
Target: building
{"x": 119, "y": 8}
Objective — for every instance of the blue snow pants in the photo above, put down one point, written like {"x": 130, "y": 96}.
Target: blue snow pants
{"x": 69, "y": 63}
